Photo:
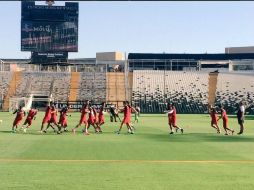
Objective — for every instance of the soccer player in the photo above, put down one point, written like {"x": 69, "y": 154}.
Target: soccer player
{"x": 53, "y": 119}
{"x": 101, "y": 119}
{"x": 127, "y": 117}
{"x": 30, "y": 117}
{"x": 92, "y": 120}
{"x": 172, "y": 119}
{"x": 19, "y": 116}
{"x": 114, "y": 113}
{"x": 214, "y": 119}
{"x": 117, "y": 113}
{"x": 47, "y": 116}
{"x": 137, "y": 114}
{"x": 224, "y": 118}
{"x": 96, "y": 119}
{"x": 83, "y": 119}
{"x": 240, "y": 117}
{"x": 63, "y": 122}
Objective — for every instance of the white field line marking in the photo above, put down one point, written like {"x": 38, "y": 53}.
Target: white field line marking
{"x": 134, "y": 161}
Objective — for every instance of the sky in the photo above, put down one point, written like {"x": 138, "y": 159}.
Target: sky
{"x": 144, "y": 27}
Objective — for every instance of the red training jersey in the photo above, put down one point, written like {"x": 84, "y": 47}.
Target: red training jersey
{"x": 224, "y": 115}
{"x": 31, "y": 114}
{"x": 213, "y": 116}
{"x": 127, "y": 112}
{"x": 48, "y": 112}
{"x": 20, "y": 114}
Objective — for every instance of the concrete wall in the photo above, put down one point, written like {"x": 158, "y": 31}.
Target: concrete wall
{"x": 109, "y": 56}
{"x": 247, "y": 49}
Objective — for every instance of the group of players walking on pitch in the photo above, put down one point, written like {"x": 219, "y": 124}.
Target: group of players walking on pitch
{"x": 224, "y": 117}
{"x": 171, "y": 111}
{"x": 90, "y": 116}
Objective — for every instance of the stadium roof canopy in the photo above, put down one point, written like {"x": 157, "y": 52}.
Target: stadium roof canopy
{"x": 219, "y": 56}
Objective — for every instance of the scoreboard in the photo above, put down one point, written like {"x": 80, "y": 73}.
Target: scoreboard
{"x": 49, "y": 28}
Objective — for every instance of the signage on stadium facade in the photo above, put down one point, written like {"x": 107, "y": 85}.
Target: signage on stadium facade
{"x": 77, "y": 105}
{"x": 49, "y": 57}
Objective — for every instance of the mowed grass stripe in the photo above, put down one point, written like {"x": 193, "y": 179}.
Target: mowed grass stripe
{"x": 133, "y": 161}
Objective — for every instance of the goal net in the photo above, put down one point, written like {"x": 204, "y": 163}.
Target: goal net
{"x": 28, "y": 102}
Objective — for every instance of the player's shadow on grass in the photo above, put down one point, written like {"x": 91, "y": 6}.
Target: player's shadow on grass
{"x": 5, "y": 132}
{"x": 197, "y": 137}
{"x": 51, "y": 133}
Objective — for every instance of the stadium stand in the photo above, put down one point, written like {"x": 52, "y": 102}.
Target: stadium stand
{"x": 233, "y": 88}
{"x": 116, "y": 89}
{"x": 187, "y": 90}
{"x": 44, "y": 84}
{"x": 190, "y": 91}
{"x": 74, "y": 84}
{"x": 5, "y": 78}
{"x": 14, "y": 82}
{"x": 92, "y": 86}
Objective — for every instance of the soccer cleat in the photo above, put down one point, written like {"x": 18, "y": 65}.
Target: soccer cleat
{"x": 44, "y": 131}
{"x": 240, "y": 133}
{"x": 86, "y": 133}
{"x": 24, "y": 130}
{"x": 226, "y": 133}
{"x": 233, "y": 132}
{"x": 117, "y": 132}
{"x": 182, "y": 131}
{"x": 171, "y": 133}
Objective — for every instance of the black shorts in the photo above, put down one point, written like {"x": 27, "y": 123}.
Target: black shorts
{"x": 240, "y": 121}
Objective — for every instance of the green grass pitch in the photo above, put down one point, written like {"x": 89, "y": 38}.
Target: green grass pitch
{"x": 150, "y": 159}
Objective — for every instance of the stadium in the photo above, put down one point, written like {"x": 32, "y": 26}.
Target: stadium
{"x": 190, "y": 81}
{"x": 148, "y": 157}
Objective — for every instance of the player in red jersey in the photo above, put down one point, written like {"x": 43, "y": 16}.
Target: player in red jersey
{"x": 19, "y": 116}
{"x": 224, "y": 118}
{"x": 53, "y": 119}
{"x": 127, "y": 117}
{"x": 172, "y": 119}
{"x": 47, "y": 116}
{"x": 214, "y": 119}
{"x": 101, "y": 119}
{"x": 83, "y": 119}
{"x": 30, "y": 117}
{"x": 63, "y": 123}
{"x": 96, "y": 115}
{"x": 92, "y": 118}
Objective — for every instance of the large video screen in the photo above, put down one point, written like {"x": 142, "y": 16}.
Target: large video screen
{"x": 49, "y": 28}
{"x": 49, "y": 36}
